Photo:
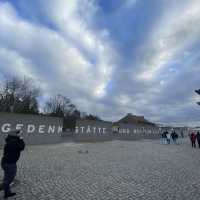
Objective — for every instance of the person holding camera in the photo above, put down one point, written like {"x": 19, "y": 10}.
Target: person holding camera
{"x": 14, "y": 144}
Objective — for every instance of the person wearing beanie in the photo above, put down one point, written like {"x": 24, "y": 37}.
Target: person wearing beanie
{"x": 14, "y": 144}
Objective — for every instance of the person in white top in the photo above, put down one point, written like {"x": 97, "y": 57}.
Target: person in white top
{"x": 168, "y": 137}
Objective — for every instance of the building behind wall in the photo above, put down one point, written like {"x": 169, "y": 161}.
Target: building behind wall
{"x": 136, "y": 120}
{"x": 134, "y": 125}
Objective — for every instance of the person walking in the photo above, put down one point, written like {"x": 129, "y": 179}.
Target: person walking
{"x": 193, "y": 139}
{"x": 164, "y": 137}
{"x": 198, "y": 138}
{"x": 12, "y": 150}
{"x": 168, "y": 137}
{"x": 174, "y": 136}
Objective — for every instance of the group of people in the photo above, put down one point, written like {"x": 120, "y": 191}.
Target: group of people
{"x": 195, "y": 137}
{"x": 167, "y": 137}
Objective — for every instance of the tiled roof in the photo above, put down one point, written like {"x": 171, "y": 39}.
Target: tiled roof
{"x": 133, "y": 119}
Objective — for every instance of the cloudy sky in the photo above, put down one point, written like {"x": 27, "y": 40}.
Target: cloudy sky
{"x": 110, "y": 57}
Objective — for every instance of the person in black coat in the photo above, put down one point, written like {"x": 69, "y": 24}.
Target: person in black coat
{"x": 12, "y": 150}
{"x": 164, "y": 137}
{"x": 198, "y": 138}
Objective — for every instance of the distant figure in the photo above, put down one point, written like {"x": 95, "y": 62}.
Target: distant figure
{"x": 182, "y": 135}
{"x": 12, "y": 149}
{"x": 198, "y": 138}
{"x": 164, "y": 137}
{"x": 174, "y": 136}
{"x": 168, "y": 137}
{"x": 193, "y": 139}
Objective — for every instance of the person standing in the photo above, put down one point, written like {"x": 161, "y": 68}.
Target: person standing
{"x": 193, "y": 139}
{"x": 164, "y": 137}
{"x": 168, "y": 137}
{"x": 182, "y": 134}
{"x": 198, "y": 138}
{"x": 174, "y": 136}
{"x": 12, "y": 150}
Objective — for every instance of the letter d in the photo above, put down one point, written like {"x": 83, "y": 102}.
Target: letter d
{"x": 31, "y": 128}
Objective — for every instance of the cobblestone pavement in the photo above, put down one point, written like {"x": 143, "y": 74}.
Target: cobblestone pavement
{"x": 117, "y": 170}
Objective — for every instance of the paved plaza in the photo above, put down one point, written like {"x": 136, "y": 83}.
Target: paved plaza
{"x": 116, "y": 170}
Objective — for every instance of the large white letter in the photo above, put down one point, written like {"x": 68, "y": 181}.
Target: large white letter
{"x": 30, "y": 128}
{"x": 51, "y": 129}
{"x": 19, "y": 126}
{"x": 5, "y": 128}
{"x": 82, "y": 128}
{"x": 41, "y": 128}
{"x": 88, "y": 130}
{"x": 99, "y": 130}
{"x": 60, "y": 128}
{"x": 76, "y": 130}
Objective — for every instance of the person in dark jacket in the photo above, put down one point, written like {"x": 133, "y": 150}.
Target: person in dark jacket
{"x": 193, "y": 138}
{"x": 164, "y": 137}
{"x": 12, "y": 149}
{"x": 174, "y": 136}
{"x": 198, "y": 138}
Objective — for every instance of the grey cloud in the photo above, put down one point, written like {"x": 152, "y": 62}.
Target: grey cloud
{"x": 71, "y": 66}
{"x": 52, "y": 59}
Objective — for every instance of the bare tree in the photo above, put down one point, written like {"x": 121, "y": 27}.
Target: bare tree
{"x": 19, "y": 96}
{"x": 9, "y": 93}
{"x": 60, "y": 106}
{"x": 92, "y": 117}
{"x": 28, "y": 96}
